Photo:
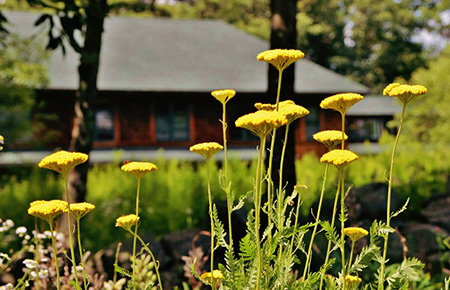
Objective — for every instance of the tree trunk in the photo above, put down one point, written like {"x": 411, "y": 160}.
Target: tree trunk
{"x": 283, "y": 35}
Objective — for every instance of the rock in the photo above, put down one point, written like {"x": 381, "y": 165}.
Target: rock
{"x": 437, "y": 211}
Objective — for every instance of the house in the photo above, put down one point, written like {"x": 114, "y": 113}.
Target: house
{"x": 155, "y": 80}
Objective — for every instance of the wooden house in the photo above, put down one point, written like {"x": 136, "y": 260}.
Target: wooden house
{"x": 155, "y": 80}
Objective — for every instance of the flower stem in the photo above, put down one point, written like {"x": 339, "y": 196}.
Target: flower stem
{"x": 72, "y": 251}
{"x": 213, "y": 284}
{"x": 154, "y": 261}
{"x": 258, "y": 191}
{"x": 342, "y": 221}
{"x": 388, "y": 212}
{"x": 135, "y": 232}
{"x": 229, "y": 201}
{"x": 333, "y": 219}
{"x": 55, "y": 255}
{"x": 81, "y": 254}
{"x": 351, "y": 257}
{"x": 316, "y": 224}
{"x": 36, "y": 251}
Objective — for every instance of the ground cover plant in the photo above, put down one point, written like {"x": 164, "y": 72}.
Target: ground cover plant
{"x": 269, "y": 257}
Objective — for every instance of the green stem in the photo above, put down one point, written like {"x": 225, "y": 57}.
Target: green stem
{"x": 351, "y": 258}
{"x": 213, "y": 284}
{"x": 81, "y": 254}
{"x": 316, "y": 224}
{"x": 342, "y": 221}
{"x": 116, "y": 261}
{"x": 154, "y": 261}
{"x": 333, "y": 219}
{"x": 388, "y": 213}
{"x": 135, "y": 232}
{"x": 36, "y": 251}
{"x": 296, "y": 221}
{"x": 72, "y": 251}
{"x": 258, "y": 190}
{"x": 343, "y": 131}
{"x": 55, "y": 255}
{"x": 229, "y": 201}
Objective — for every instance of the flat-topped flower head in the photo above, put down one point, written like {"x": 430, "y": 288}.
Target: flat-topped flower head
{"x": 63, "y": 161}
{"x": 207, "y": 149}
{"x": 48, "y": 210}
{"x": 127, "y": 221}
{"x": 79, "y": 210}
{"x": 292, "y": 111}
{"x": 216, "y": 275}
{"x": 355, "y": 233}
{"x": 339, "y": 157}
{"x": 341, "y": 102}
{"x": 280, "y": 58}
{"x": 139, "y": 169}
{"x": 330, "y": 138}
{"x": 261, "y": 123}
{"x": 223, "y": 96}
{"x": 265, "y": 107}
{"x": 352, "y": 281}
{"x": 405, "y": 93}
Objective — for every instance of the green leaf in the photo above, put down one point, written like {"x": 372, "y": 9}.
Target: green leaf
{"x": 122, "y": 271}
{"x": 364, "y": 258}
{"x": 404, "y": 207}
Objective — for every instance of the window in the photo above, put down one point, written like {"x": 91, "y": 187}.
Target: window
{"x": 236, "y": 133}
{"x": 104, "y": 125}
{"x": 362, "y": 129}
{"x": 312, "y": 121}
{"x": 172, "y": 122}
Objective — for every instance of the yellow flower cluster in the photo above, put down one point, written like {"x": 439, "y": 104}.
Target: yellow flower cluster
{"x": 127, "y": 221}
{"x": 355, "y": 233}
{"x": 207, "y": 149}
{"x": 216, "y": 274}
{"x": 47, "y": 210}
{"x": 292, "y": 111}
{"x": 223, "y": 96}
{"x": 261, "y": 123}
{"x": 139, "y": 169}
{"x": 405, "y": 93}
{"x": 265, "y": 107}
{"x": 339, "y": 157}
{"x": 280, "y": 58}
{"x": 2, "y": 141}
{"x": 79, "y": 210}
{"x": 341, "y": 102}
{"x": 352, "y": 281}
{"x": 330, "y": 138}
{"x": 63, "y": 161}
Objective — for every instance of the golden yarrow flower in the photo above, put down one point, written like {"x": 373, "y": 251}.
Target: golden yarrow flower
{"x": 47, "y": 210}
{"x": 265, "y": 107}
{"x": 2, "y": 141}
{"x": 63, "y": 161}
{"x": 207, "y": 149}
{"x": 79, "y": 210}
{"x": 330, "y": 138}
{"x": 216, "y": 274}
{"x": 341, "y": 102}
{"x": 355, "y": 233}
{"x": 339, "y": 157}
{"x": 280, "y": 58}
{"x": 352, "y": 281}
{"x": 139, "y": 169}
{"x": 261, "y": 123}
{"x": 405, "y": 93}
{"x": 223, "y": 96}
{"x": 292, "y": 111}
{"x": 127, "y": 221}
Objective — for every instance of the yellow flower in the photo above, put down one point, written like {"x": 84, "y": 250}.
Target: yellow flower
{"x": 2, "y": 141}
{"x": 265, "y": 107}
{"x": 36, "y": 202}
{"x": 355, "y": 233}
{"x": 261, "y": 122}
{"x": 352, "y": 281}
{"x": 139, "y": 169}
{"x": 330, "y": 138}
{"x": 405, "y": 93}
{"x": 280, "y": 58}
{"x": 339, "y": 157}
{"x": 292, "y": 111}
{"x": 47, "y": 210}
{"x": 63, "y": 161}
{"x": 127, "y": 221}
{"x": 341, "y": 102}
{"x": 223, "y": 96}
{"x": 79, "y": 210}
{"x": 216, "y": 274}
{"x": 207, "y": 149}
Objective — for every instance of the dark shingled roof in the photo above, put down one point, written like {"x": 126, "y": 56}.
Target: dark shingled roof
{"x": 159, "y": 54}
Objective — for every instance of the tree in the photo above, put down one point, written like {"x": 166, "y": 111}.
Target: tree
{"x": 84, "y": 18}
